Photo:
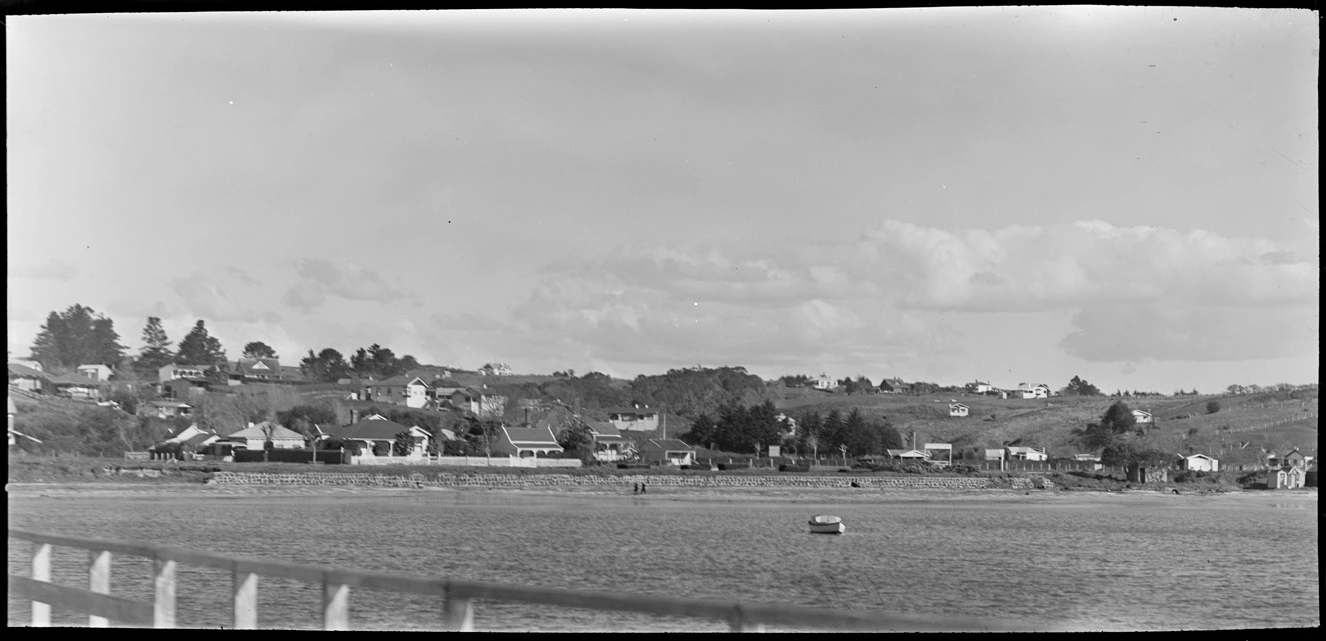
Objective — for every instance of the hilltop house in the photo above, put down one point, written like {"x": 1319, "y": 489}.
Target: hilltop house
{"x": 1020, "y": 453}
{"x": 823, "y": 383}
{"x": 174, "y": 371}
{"x": 256, "y": 370}
{"x": 184, "y": 388}
{"x": 894, "y": 385}
{"x": 1296, "y": 459}
{"x": 27, "y": 378}
{"x": 957, "y": 409}
{"x": 1199, "y": 463}
{"x": 1040, "y": 390}
{"x": 979, "y": 387}
{"x": 667, "y": 451}
{"x": 1141, "y": 416}
{"x": 525, "y": 442}
{"x": 495, "y": 369}
{"x": 165, "y": 409}
{"x": 481, "y": 404}
{"x": 407, "y": 390}
{"x": 96, "y": 372}
{"x": 633, "y": 419}
{"x": 77, "y": 387}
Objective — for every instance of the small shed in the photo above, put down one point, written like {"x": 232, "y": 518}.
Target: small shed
{"x": 957, "y": 410}
{"x": 669, "y": 451}
{"x": 1199, "y": 463}
{"x": 1286, "y": 479}
{"x": 1146, "y": 474}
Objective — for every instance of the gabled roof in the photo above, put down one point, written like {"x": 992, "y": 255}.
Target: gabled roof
{"x": 531, "y": 436}
{"x": 603, "y": 429}
{"x": 909, "y": 453}
{"x": 1022, "y": 449}
{"x": 23, "y": 370}
{"x": 199, "y": 439}
{"x": 1193, "y": 456}
{"x": 269, "y": 366}
{"x": 258, "y": 432}
{"x": 372, "y": 428}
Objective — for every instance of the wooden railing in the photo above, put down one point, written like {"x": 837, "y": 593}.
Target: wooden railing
{"x": 457, "y": 597}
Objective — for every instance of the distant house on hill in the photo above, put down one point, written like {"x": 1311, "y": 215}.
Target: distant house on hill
{"x": 165, "y": 409}
{"x": 495, "y": 369}
{"x": 256, "y": 370}
{"x": 407, "y": 390}
{"x": 979, "y": 387}
{"x": 27, "y": 379}
{"x": 1040, "y": 390}
{"x": 173, "y": 371}
{"x": 957, "y": 410}
{"x": 479, "y": 403}
{"x": 73, "y": 386}
{"x": 1141, "y": 416}
{"x": 185, "y": 388}
{"x": 95, "y": 371}
{"x": 894, "y": 385}
{"x": 633, "y": 419}
{"x": 823, "y": 383}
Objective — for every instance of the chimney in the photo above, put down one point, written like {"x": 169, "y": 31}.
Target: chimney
{"x": 354, "y": 416}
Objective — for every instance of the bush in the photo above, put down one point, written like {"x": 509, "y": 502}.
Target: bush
{"x": 803, "y": 467}
{"x": 330, "y": 457}
{"x": 1212, "y": 407}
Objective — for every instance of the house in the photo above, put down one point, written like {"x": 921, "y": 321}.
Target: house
{"x": 190, "y": 432}
{"x": 633, "y": 419}
{"x": 481, "y": 404}
{"x": 77, "y": 387}
{"x": 293, "y": 374}
{"x": 407, "y": 390}
{"x": 609, "y": 444}
{"x": 1199, "y": 463}
{"x": 96, "y": 372}
{"x": 495, "y": 369}
{"x": 256, "y": 370}
{"x": 29, "y": 363}
{"x": 788, "y": 423}
{"x": 894, "y": 385}
{"x": 185, "y": 388}
{"x": 909, "y": 455}
{"x": 667, "y": 451}
{"x": 994, "y": 455}
{"x": 256, "y": 435}
{"x": 1020, "y": 453}
{"x": 174, "y": 371}
{"x": 1296, "y": 459}
{"x": 979, "y": 387}
{"x": 957, "y": 409}
{"x": 1033, "y": 391}
{"x": 823, "y": 383}
{"x": 885, "y": 387}
{"x": 27, "y": 378}
{"x": 166, "y": 409}
{"x": 526, "y": 442}
{"x": 931, "y": 448}
{"x": 1141, "y": 416}
{"x": 380, "y": 433}
{"x": 1286, "y": 478}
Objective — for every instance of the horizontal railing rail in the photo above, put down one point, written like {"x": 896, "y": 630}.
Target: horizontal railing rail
{"x": 457, "y": 596}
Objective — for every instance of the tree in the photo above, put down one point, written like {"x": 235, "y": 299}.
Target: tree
{"x": 1212, "y": 407}
{"x": 75, "y": 337}
{"x": 258, "y": 349}
{"x": 155, "y": 353}
{"x": 305, "y": 418}
{"x": 832, "y": 433}
{"x": 1079, "y": 387}
{"x": 1118, "y": 418}
{"x": 702, "y": 431}
{"x": 404, "y": 443}
{"x": 200, "y": 348}
{"x": 327, "y": 366}
{"x": 861, "y": 439}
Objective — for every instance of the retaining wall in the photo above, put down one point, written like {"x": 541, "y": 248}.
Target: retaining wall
{"x": 568, "y": 480}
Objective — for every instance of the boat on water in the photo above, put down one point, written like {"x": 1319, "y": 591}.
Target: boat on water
{"x": 824, "y": 524}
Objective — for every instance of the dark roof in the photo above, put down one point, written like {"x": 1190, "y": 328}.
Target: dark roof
{"x": 198, "y": 439}
{"x": 23, "y": 370}
{"x": 601, "y": 429}
{"x": 542, "y": 436}
{"x": 370, "y": 428}
{"x": 632, "y": 410}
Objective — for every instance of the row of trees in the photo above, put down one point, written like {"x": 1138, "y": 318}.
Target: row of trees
{"x": 741, "y": 428}
{"x": 377, "y": 361}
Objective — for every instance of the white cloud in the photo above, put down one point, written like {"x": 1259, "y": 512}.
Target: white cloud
{"x": 321, "y": 279}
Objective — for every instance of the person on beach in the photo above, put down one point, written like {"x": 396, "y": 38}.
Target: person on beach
{"x": 635, "y": 489}
{"x": 642, "y": 488}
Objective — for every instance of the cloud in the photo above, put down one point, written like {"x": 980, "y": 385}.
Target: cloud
{"x": 1177, "y": 332}
{"x": 243, "y": 276}
{"x": 206, "y": 298}
{"x": 52, "y": 269}
{"x": 321, "y": 279}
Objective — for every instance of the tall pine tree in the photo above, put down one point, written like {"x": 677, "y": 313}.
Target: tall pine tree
{"x": 200, "y": 348}
{"x": 155, "y": 353}
{"x": 78, "y": 336}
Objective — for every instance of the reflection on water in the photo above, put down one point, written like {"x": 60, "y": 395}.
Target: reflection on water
{"x": 1104, "y": 563}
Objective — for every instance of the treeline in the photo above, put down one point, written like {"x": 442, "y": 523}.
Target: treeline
{"x": 684, "y": 392}
{"x": 376, "y": 361}
{"x": 740, "y": 428}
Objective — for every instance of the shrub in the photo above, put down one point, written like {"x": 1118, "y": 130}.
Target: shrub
{"x": 1212, "y": 407}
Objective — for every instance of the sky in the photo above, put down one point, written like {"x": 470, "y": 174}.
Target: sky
{"x": 1020, "y": 194}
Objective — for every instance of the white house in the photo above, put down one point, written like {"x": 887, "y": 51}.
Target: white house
{"x": 994, "y": 455}
{"x": 609, "y": 445}
{"x": 1141, "y": 416}
{"x": 254, "y": 436}
{"x": 824, "y": 383}
{"x": 496, "y": 369}
{"x": 526, "y": 442}
{"x": 1040, "y": 390}
{"x": 1199, "y": 463}
{"x": 633, "y": 419}
{"x": 172, "y": 371}
{"x": 909, "y": 455}
{"x": 957, "y": 409}
{"x": 1020, "y": 453}
{"x": 96, "y": 372}
{"x": 982, "y": 388}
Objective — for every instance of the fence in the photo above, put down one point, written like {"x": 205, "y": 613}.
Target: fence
{"x": 468, "y": 461}
{"x": 457, "y": 597}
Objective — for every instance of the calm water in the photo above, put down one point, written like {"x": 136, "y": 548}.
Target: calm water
{"x": 1097, "y": 562}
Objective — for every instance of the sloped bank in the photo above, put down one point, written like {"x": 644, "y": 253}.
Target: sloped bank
{"x": 567, "y": 480}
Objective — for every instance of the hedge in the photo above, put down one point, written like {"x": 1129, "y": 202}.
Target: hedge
{"x": 330, "y": 457}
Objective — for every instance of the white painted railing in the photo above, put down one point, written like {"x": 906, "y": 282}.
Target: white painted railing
{"x": 457, "y": 597}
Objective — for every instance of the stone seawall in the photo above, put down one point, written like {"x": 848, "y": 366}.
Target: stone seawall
{"x": 569, "y": 480}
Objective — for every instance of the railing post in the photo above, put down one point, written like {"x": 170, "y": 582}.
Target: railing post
{"x": 246, "y": 599}
{"x": 163, "y": 615}
{"x": 457, "y": 612}
{"x": 41, "y": 571}
{"x": 335, "y": 605}
{"x": 99, "y": 582}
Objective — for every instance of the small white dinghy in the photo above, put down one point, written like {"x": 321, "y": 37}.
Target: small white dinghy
{"x": 824, "y": 524}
